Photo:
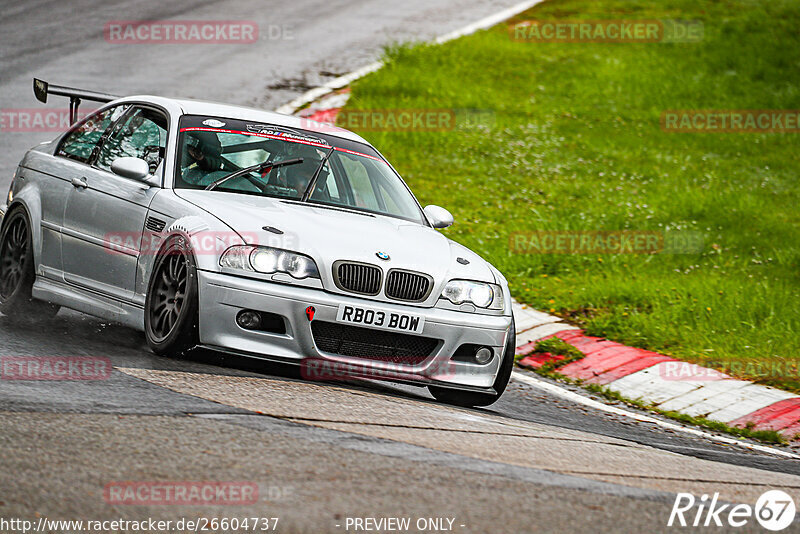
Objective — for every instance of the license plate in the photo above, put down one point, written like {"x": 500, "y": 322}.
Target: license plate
{"x": 385, "y": 320}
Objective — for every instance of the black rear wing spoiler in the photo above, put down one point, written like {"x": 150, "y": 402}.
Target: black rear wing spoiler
{"x": 41, "y": 89}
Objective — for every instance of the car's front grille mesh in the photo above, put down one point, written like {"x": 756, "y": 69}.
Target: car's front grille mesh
{"x": 358, "y": 278}
{"x": 405, "y": 285}
{"x": 371, "y": 344}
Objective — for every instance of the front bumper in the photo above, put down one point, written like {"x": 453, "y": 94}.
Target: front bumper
{"x": 223, "y": 296}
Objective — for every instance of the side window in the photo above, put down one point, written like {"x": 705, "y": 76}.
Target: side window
{"x": 142, "y": 133}
{"x": 83, "y": 140}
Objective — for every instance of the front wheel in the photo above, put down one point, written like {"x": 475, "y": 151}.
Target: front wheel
{"x": 471, "y": 398}
{"x": 17, "y": 273}
{"x": 171, "y": 309}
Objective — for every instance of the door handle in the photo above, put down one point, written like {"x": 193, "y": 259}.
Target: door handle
{"x": 80, "y": 183}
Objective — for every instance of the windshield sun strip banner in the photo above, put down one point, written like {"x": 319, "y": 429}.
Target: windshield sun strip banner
{"x": 347, "y": 151}
{"x": 290, "y": 139}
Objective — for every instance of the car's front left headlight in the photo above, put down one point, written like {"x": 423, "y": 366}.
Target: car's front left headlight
{"x": 269, "y": 260}
{"x": 481, "y": 294}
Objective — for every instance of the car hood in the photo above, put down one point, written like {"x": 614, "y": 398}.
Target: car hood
{"x": 330, "y": 234}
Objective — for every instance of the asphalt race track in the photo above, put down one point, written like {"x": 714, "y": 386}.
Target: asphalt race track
{"x": 321, "y": 454}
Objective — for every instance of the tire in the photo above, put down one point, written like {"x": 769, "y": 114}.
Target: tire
{"x": 171, "y": 306}
{"x": 471, "y": 398}
{"x": 17, "y": 272}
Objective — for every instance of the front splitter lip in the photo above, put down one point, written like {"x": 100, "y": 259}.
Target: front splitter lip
{"x": 223, "y": 296}
{"x": 348, "y": 371}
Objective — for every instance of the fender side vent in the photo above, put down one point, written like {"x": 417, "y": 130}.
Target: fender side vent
{"x": 155, "y": 225}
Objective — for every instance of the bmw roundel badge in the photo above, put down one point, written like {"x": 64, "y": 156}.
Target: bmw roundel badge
{"x": 382, "y": 255}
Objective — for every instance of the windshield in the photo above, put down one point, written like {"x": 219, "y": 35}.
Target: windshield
{"x": 354, "y": 176}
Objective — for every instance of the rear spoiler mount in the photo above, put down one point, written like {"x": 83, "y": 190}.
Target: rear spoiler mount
{"x": 41, "y": 89}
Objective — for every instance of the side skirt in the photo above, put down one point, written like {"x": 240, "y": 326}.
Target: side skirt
{"x": 89, "y": 302}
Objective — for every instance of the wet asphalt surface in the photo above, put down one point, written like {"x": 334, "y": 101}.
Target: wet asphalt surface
{"x": 75, "y": 334}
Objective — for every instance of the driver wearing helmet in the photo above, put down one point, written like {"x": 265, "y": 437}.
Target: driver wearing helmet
{"x": 201, "y": 161}
{"x": 297, "y": 177}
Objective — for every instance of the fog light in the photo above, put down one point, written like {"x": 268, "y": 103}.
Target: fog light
{"x": 483, "y": 355}
{"x": 249, "y": 320}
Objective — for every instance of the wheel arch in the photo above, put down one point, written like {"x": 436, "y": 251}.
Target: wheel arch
{"x": 31, "y": 206}
{"x": 184, "y": 227}
{"x": 169, "y": 236}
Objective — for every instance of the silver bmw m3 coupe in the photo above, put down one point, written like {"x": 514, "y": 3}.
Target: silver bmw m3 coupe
{"x": 252, "y": 233}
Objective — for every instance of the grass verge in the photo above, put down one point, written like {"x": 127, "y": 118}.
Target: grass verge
{"x": 569, "y": 139}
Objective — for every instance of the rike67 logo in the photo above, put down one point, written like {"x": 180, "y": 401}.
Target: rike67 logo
{"x": 774, "y": 510}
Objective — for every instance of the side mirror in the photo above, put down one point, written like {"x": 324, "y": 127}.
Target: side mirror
{"x": 133, "y": 168}
{"x": 438, "y": 216}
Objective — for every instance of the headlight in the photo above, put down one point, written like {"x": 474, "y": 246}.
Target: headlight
{"x": 480, "y": 294}
{"x": 269, "y": 260}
